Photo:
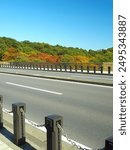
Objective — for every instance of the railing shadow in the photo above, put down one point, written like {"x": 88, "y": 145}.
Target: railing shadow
{"x": 10, "y": 137}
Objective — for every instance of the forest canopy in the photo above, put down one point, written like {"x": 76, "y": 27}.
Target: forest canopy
{"x": 12, "y": 50}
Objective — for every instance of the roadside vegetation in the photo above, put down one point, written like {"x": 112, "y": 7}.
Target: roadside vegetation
{"x": 12, "y": 50}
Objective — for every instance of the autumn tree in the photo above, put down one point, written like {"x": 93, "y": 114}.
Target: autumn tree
{"x": 12, "y": 50}
{"x": 11, "y": 54}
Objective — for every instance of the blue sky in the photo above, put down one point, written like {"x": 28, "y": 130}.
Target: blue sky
{"x": 72, "y": 23}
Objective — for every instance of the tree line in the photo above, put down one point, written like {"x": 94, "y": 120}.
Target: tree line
{"x": 12, "y": 50}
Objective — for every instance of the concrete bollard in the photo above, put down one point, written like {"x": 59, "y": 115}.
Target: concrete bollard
{"x": 109, "y": 143}
{"x": 81, "y": 68}
{"x": 87, "y": 69}
{"x": 56, "y": 67}
{"x": 54, "y": 141}
{"x": 1, "y": 111}
{"x": 101, "y": 69}
{"x": 94, "y": 69}
{"x": 109, "y": 70}
{"x": 65, "y": 68}
{"x": 70, "y": 68}
{"x": 75, "y": 68}
{"x": 19, "y": 123}
{"x": 60, "y": 68}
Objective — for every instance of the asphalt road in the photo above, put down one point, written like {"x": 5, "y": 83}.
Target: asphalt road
{"x": 87, "y": 109}
{"x": 108, "y": 79}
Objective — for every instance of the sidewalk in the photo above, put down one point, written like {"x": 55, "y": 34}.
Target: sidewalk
{"x": 4, "y": 146}
{"x": 60, "y": 76}
{"x": 35, "y": 138}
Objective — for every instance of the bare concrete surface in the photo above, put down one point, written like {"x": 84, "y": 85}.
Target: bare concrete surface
{"x": 101, "y": 79}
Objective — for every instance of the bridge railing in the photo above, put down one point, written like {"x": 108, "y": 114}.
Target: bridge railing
{"x": 89, "y": 68}
{"x": 53, "y": 124}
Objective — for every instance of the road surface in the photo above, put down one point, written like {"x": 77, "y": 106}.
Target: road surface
{"x": 107, "y": 79}
{"x": 86, "y": 109}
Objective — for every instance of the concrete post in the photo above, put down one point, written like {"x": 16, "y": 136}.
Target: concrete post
{"x": 54, "y": 141}
{"x": 101, "y": 69}
{"x": 65, "y": 67}
{"x": 52, "y": 67}
{"x": 81, "y": 68}
{"x": 56, "y": 67}
{"x": 94, "y": 69}
{"x": 87, "y": 69}
{"x": 19, "y": 123}
{"x": 1, "y": 111}
{"x": 109, "y": 143}
{"x": 70, "y": 68}
{"x": 75, "y": 68}
{"x": 48, "y": 67}
{"x": 60, "y": 68}
{"x": 109, "y": 70}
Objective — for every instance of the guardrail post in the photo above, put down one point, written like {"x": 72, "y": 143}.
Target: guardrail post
{"x": 109, "y": 70}
{"x": 87, "y": 69}
{"x": 70, "y": 68}
{"x": 29, "y": 66}
{"x": 109, "y": 143}
{"x": 33, "y": 67}
{"x": 53, "y": 132}
{"x": 19, "y": 123}
{"x": 81, "y": 68}
{"x": 52, "y": 67}
{"x": 1, "y": 112}
{"x": 101, "y": 69}
{"x": 48, "y": 67}
{"x": 43, "y": 67}
{"x": 56, "y": 67}
{"x": 60, "y": 68}
{"x": 94, "y": 69}
{"x": 65, "y": 67}
{"x": 40, "y": 67}
{"x": 17, "y": 66}
{"x": 75, "y": 68}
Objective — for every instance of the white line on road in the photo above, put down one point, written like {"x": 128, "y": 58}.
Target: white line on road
{"x": 56, "y": 80}
{"x": 33, "y": 88}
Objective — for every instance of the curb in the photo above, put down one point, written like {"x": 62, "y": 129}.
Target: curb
{"x": 35, "y": 138}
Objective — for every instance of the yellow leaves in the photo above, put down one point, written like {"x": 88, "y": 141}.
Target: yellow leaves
{"x": 11, "y": 54}
{"x": 80, "y": 59}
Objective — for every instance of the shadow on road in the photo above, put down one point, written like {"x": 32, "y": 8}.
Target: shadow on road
{"x": 10, "y": 137}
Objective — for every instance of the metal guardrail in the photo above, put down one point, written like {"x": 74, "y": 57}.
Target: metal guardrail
{"x": 53, "y": 124}
{"x": 90, "y": 68}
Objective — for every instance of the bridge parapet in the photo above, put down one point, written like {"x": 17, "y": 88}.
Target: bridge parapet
{"x": 89, "y": 68}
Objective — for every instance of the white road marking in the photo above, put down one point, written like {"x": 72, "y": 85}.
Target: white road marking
{"x": 33, "y": 88}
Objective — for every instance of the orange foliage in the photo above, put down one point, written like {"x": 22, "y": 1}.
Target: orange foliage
{"x": 43, "y": 57}
{"x": 11, "y": 54}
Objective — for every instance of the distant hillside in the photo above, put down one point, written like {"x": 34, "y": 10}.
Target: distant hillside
{"x": 26, "y": 51}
